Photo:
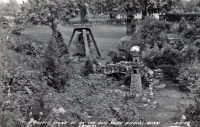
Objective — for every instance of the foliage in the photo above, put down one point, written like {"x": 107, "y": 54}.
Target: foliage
{"x": 193, "y": 111}
{"x": 87, "y": 68}
{"x": 21, "y": 80}
{"x": 151, "y": 29}
{"x": 19, "y": 20}
{"x": 50, "y": 13}
{"x": 11, "y": 7}
{"x": 3, "y": 20}
{"x": 188, "y": 78}
{"x": 27, "y": 97}
{"x": 4, "y": 23}
{"x": 56, "y": 66}
{"x": 189, "y": 34}
{"x": 182, "y": 25}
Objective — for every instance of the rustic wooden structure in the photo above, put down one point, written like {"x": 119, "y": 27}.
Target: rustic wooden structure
{"x": 87, "y": 33}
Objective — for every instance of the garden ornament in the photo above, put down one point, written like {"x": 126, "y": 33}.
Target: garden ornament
{"x": 89, "y": 33}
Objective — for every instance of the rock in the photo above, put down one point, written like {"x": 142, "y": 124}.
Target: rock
{"x": 155, "y": 102}
{"x": 54, "y": 110}
{"x": 41, "y": 113}
{"x": 116, "y": 109}
{"x": 100, "y": 96}
{"x": 183, "y": 117}
{"x": 145, "y": 105}
{"x": 153, "y": 106}
{"x": 186, "y": 103}
{"x": 158, "y": 71}
{"x": 97, "y": 76}
{"x": 61, "y": 110}
{"x": 175, "y": 95}
{"x": 29, "y": 91}
{"x": 171, "y": 107}
{"x": 144, "y": 100}
{"x": 161, "y": 86}
{"x": 158, "y": 74}
{"x": 118, "y": 91}
{"x": 166, "y": 115}
{"x": 151, "y": 95}
{"x": 156, "y": 81}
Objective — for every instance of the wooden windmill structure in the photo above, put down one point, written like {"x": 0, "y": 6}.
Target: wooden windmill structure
{"x": 87, "y": 34}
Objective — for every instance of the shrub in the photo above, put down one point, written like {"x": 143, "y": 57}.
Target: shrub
{"x": 56, "y": 67}
{"x": 3, "y": 20}
{"x": 189, "y": 34}
{"x": 182, "y": 25}
{"x": 87, "y": 68}
{"x": 170, "y": 71}
{"x": 151, "y": 30}
{"x": 20, "y": 45}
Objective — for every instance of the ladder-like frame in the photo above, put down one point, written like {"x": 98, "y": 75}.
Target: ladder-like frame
{"x": 88, "y": 30}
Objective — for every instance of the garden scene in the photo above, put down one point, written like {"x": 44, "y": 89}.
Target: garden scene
{"x": 100, "y": 63}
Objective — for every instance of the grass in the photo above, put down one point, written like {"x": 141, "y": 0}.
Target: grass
{"x": 107, "y": 36}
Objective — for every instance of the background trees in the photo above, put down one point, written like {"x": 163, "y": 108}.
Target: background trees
{"x": 11, "y": 8}
{"x": 50, "y": 12}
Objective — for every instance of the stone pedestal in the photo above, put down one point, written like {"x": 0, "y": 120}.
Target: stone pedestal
{"x": 136, "y": 83}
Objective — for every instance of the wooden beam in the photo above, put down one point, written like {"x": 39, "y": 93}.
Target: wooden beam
{"x": 71, "y": 38}
{"x": 95, "y": 44}
{"x": 87, "y": 50}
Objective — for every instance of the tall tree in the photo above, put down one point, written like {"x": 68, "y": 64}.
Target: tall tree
{"x": 123, "y": 7}
{"x": 51, "y": 12}
{"x": 11, "y": 8}
{"x": 83, "y": 7}
{"x": 130, "y": 8}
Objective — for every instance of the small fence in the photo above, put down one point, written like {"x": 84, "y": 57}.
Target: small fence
{"x": 107, "y": 21}
{"x": 172, "y": 17}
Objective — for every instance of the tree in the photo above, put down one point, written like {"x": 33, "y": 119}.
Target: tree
{"x": 51, "y": 12}
{"x": 97, "y": 7}
{"x": 124, "y": 7}
{"x": 11, "y": 8}
{"x": 83, "y": 7}
{"x": 130, "y": 8}
{"x": 182, "y": 26}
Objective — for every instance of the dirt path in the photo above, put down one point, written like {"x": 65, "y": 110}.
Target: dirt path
{"x": 171, "y": 105}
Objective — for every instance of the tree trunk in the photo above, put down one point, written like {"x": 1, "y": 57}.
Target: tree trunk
{"x": 144, "y": 12}
{"x": 129, "y": 25}
{"x": 83, "y": 14}
{"x": 53, "y": 27}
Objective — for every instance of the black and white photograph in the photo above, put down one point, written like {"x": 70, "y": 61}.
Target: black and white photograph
{"x": 99, "y": 63}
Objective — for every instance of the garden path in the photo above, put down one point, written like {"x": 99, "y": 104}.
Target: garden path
{"x": 171, "y": 105}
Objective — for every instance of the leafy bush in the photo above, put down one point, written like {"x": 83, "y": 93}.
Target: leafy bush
{"x": 151, "y": 29}
{"x": 189, "y": 77}
{"x": 182, "y": 25}
{"x": 21, "y": 81}
{"x": 21, "y": 46}
{"x": 189, "y": 34}
{"x": 56, "y": 68}
{"x": 193, "y": 111}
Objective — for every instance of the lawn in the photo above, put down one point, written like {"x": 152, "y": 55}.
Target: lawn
{"x": 107, "y": 36}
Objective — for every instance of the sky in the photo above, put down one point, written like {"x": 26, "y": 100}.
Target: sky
{"x": 19, "y": 1}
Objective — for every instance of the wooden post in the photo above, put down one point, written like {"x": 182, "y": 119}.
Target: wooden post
{"x": 87, "y": 50}
{"x": 95, "y": 44}
{"x": 71, "y": 38}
